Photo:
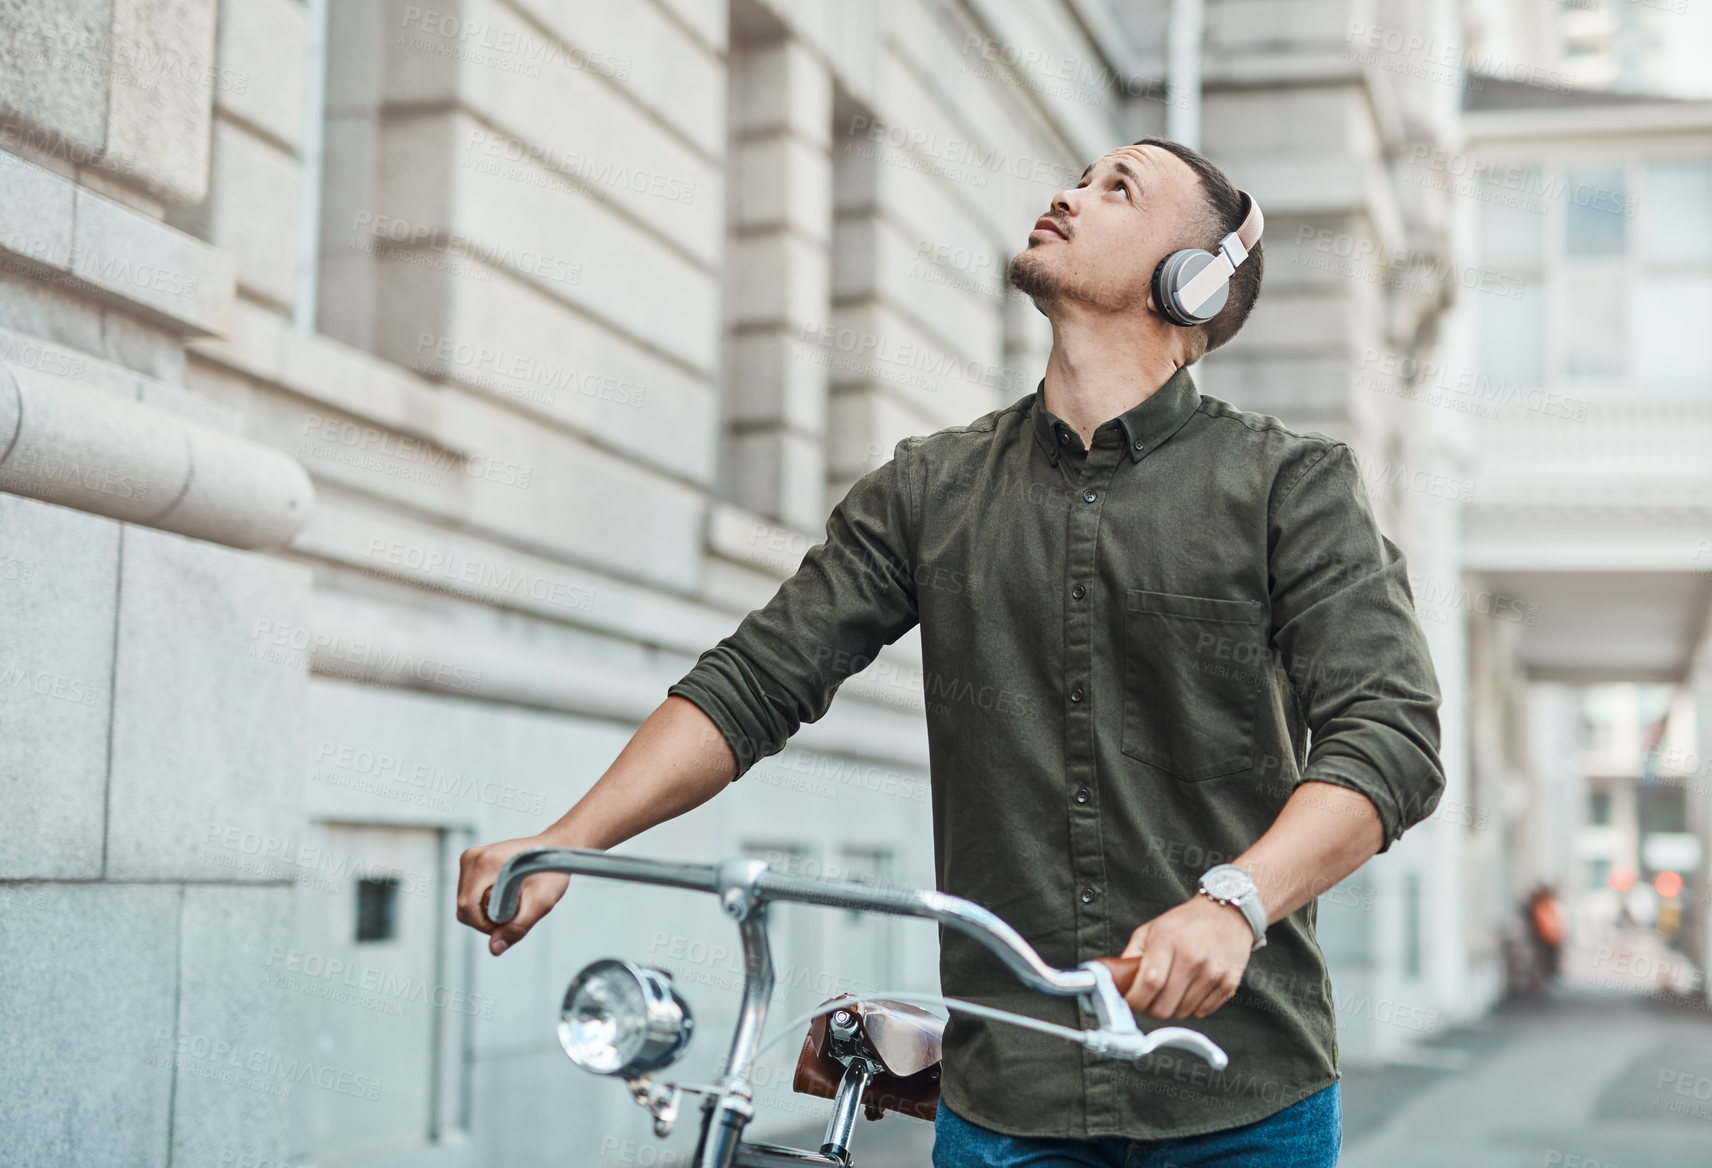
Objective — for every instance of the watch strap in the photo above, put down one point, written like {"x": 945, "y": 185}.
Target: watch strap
{"x": 1256, "y": 914}
{"x": 1248, "y": 904}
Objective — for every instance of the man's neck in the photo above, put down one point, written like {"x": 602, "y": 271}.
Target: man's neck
{"x": 1103, "y": 365}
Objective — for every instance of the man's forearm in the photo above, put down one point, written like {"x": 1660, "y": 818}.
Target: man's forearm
{"x": 1324, "y": 833}
{"x": 676, "y": 761}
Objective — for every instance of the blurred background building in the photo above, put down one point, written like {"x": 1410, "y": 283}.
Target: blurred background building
{"x": 396, "y": 398}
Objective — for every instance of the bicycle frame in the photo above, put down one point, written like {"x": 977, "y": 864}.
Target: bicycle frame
{"x": 745, "y": 888}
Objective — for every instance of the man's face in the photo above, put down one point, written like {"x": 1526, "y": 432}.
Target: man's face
{"x": 1100, "y": 240}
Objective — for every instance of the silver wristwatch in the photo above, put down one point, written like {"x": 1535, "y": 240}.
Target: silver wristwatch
{"x": 1228, "y": 884}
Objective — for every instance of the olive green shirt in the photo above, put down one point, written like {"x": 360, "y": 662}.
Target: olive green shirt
{"x": 1132, "y": 654}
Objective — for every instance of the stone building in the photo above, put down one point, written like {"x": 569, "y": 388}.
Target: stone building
{"x": 396, "y": 397}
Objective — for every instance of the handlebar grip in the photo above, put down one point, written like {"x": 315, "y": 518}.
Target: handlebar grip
{"x": 1123, "y": 970}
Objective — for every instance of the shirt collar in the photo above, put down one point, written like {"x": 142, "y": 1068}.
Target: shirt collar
{"x": 1143, "y": 426}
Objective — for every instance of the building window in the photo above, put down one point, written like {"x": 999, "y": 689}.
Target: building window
{"x": 1512, "y": 231}
{"x": 1599, "y": 809}
{"x": 1678, "y": 225}
{"x": 1674, "y": 350}
{"x": 1595, "y": 201}
{"x": 377, "y": 910}
{"x": 1613, "y": 269}
{"x": 1596, "y": 327}
{"x": 1513, "y": 337}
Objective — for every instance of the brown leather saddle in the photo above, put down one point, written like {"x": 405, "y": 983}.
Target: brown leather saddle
{"x": 902, "y": 1040}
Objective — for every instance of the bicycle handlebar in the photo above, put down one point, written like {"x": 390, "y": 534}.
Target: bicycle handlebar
{"x": 744, "y": 885}
{"x": 762, "y": 885}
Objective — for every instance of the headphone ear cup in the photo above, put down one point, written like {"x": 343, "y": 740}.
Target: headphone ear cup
{"x": 1161, "y": 300}
{"x": 1173, "y": 272}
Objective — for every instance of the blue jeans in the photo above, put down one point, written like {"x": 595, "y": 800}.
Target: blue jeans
{"x": 1307, "y": 1134}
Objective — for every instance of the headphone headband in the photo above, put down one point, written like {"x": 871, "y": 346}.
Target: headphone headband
{"x": 1253, "y": 223}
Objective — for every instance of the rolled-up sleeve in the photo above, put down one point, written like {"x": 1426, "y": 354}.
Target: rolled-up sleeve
{"x": 853, "y": 594}
{"x": 1345, "y": 629}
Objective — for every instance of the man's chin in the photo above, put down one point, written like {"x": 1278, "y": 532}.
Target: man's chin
{"x": 1032, "y": 278}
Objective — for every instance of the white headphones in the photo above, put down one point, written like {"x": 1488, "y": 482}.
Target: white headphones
{"x": 1190, "y": 286}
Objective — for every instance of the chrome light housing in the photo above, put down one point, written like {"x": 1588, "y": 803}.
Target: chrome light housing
{"x": 623, "y": 1019}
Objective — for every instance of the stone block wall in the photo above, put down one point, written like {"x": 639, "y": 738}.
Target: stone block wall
{"x": 148, "y": 754}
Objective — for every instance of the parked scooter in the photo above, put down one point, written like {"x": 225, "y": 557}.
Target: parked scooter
{"x": 876, "y": 1054}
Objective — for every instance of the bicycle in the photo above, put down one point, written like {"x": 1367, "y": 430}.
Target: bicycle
{"x": 627, "y": 1021}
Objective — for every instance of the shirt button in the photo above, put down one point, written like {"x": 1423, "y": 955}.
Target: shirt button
{"x": 1139, "y": 445}
{"x": 1063, "y": 438}
{"x": 1087, "y": 896}
{"x": 1078, "y": 592}
{"x": 1076, "y": 694}
{"x": 1083, "y": 795}
{"x": 1089, "y": 496}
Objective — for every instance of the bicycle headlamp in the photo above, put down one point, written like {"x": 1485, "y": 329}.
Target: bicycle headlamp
{"x": 623, "y": 1019}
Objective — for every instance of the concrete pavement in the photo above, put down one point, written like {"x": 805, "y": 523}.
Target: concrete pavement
{"x": 1585, "y": 1080}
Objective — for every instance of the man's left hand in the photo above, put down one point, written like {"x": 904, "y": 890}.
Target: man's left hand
{"x": 1192, "y": 958}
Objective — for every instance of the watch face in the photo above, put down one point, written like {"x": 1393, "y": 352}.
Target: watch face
{"x": 1227, "y": 883}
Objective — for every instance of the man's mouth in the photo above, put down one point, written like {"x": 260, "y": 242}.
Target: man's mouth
{"x": 1049, "y": 224}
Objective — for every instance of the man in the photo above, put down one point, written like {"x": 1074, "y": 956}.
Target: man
{"x": 1170, "y": 595}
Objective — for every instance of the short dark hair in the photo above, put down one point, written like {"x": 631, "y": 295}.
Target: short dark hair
{"x": 1224, "y": 215}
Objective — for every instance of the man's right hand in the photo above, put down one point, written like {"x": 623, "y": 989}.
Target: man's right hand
{"x": 477, "y": 869}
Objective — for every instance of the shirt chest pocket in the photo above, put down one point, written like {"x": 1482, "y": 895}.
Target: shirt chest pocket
{"x": 1194, "y": 668}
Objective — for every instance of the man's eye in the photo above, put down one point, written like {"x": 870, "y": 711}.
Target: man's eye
{"x": 1124, "y": 187}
